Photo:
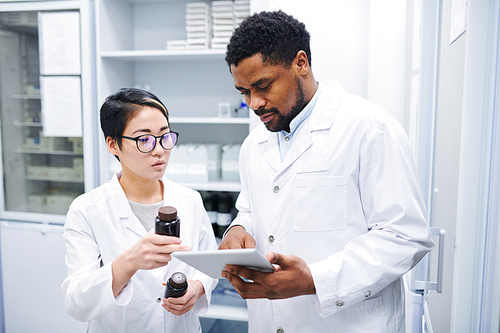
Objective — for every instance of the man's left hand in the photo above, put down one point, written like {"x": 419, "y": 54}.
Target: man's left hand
{"x": 291, "y": 278}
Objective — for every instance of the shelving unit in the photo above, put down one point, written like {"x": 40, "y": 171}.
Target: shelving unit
{"x": 131, "y": 52}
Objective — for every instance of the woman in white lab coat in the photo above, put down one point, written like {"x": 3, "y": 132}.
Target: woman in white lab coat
{"x": 116, "y": 264}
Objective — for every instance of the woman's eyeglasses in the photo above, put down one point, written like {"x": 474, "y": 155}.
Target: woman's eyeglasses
{"x": 147, "y": 142}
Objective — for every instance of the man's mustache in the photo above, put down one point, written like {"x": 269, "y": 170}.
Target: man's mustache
{"x": 264, "y": 111}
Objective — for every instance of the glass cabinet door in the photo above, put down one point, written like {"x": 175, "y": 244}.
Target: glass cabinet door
{"x": 41, "y": 173}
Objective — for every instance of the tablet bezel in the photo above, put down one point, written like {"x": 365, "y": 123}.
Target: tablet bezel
{"x": 213, "y": 263}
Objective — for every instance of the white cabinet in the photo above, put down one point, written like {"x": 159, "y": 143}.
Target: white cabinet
{"x": 32, "y": 258}
{"x": 132, "y": 52}
{"x": 47, "y": 159}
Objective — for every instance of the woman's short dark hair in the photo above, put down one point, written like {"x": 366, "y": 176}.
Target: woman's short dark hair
{"x": 275, "y": 35}
{"x": 122, "y": 106}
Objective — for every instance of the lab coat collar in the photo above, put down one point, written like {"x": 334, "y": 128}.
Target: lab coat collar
{"x": 323, "y": 113}
{"x": 122, "y": 206}
{"x": 326, "y": 107}
{"x": 322, "y": 118}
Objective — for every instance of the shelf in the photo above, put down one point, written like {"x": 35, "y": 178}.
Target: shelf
{"x": 26, "y": 96}
{"x": 162, "y": 55}
{"x": 215, "y": 186}
{"x": 209, "y": 120}
{"x": 227, "y": 312}
{"x": 48, "y": 152}
{"x": 48, "y": 179}
{"x": 27, "y": 124}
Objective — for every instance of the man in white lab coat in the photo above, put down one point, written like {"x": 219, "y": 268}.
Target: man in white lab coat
{"x": 329, "y": 193}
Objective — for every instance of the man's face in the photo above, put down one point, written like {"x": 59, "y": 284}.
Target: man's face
{"x": 274, "y": 92}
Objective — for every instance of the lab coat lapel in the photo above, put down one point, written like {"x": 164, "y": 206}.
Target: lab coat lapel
{"x": 299, "y": 147}
{"x": 319, "y": 120}
{"x": 271, "y": 154}
{"x": 123, "y": 210}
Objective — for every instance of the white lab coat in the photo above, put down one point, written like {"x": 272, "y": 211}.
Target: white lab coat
{"x": 99, "y": 226}
{"x": 346, "y": 199}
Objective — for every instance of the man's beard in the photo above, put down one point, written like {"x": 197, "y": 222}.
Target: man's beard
{"x": 283, "y": 123}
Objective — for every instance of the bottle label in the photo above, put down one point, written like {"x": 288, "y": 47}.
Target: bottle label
{"x": 224, "y": 219}
{"x": 212, "y": 215}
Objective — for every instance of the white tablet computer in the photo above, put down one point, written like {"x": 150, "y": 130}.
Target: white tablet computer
{"x": 212, "y": 263}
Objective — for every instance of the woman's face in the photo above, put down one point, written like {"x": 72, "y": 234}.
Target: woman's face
{"x": 136, "y": 164}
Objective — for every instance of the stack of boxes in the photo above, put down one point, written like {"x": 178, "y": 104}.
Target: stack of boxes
{"x": 241, "y": 11}
{"x": 201, "y": 163}
{"x": 226, "y": 16}
{"x": 222, "y": 23}
{"x": 210, "y": 26}
{"x": 198, "y": 26}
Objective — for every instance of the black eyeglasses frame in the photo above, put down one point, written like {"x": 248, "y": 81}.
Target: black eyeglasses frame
{"x": 136, "y": 139}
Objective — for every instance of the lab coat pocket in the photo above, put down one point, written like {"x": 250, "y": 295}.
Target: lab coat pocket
{"x": 320, "y": 203}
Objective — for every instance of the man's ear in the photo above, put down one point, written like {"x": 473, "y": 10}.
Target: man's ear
{"x": 302, "y": 63}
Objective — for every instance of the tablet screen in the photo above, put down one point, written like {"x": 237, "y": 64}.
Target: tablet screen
{"x": 212, "y": 263}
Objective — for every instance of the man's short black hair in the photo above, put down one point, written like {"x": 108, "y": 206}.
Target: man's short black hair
{"x": 276, "y": 35}
{"x": 122, "y": 106}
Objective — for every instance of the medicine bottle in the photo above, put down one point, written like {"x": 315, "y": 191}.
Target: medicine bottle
{"x": 211, "y": 204}
{"x": 167, "y": 222}
{"x": 224, "y": 215}
{"x": 176, "y": 286}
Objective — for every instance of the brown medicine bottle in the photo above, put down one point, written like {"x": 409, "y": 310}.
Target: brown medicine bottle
{"x": 167, "y": 222}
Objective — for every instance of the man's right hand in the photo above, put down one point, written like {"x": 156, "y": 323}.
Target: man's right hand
{"x": 237, "y": 238}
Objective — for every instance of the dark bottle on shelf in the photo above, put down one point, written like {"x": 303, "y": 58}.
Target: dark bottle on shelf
{"x": 224, "y": 215}
{"x": 211, "y": 205}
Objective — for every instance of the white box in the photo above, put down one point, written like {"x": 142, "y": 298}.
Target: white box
{"x": 230, "y": 165}
{"x": 197, "y": 170}
{"x": 214, "y": 152}
{"x": 65, "y": 173}
{"x": 34, "y": 171}
{"x": 177, "y": 164}
{"x": 176, "y": 45}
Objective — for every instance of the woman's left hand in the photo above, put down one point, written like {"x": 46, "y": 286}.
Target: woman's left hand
{"x": 180, "y": 305}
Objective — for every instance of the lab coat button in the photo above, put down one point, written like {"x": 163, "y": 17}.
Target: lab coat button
{"x": 287, "y": 138}
{"x": 339, "y": 303}
{"x": 276, "y": 189}
{"x": 270, "y": 238}
{"x": 158, "y": 299}
{"x": 368, "y": 294}
{"x": 280, "y": 330}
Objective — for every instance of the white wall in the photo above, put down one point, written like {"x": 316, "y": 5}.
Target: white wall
{"x": 360, "y": 43}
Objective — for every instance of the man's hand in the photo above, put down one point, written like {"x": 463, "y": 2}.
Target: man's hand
{"x": 291, "y": 278}
{"x": 237, "y": 238}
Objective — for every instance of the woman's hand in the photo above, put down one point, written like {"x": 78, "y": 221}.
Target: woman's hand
{"x": 151, "y": 251}
{"x": 180, "y": 305}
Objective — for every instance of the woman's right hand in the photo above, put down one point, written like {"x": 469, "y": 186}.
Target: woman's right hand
{"x": 151, "y": 251}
